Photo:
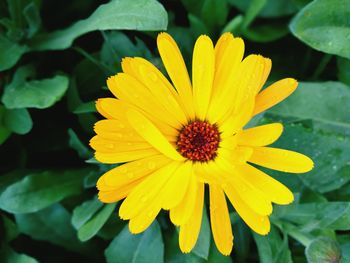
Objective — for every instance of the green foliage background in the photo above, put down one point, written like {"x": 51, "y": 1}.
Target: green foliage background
{"x": 54, "y": 60}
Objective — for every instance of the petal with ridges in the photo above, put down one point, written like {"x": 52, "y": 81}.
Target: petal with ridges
{"x": 182, "y": 212}
{"x": 220, "y": 220}
{"x": 176, "y": 68}
{"x": 131, "y": 171}
{"x": 151, "y": 134}
{"x": 112, "y": 196}
{"x": 125, "y": 87}
{"x": 189, "y": 232}
{"x": 100, "y": 144}
{"x": 267, "y": 64}
{"x": 175, "y": 189}
{"x": 122, "y": 157}
{"x": 146, "y": 191}
{"x": 274, "y": 94}
{"x": 281, "y": 160}
{"x": 157, "y": 84}
{"x": 260, "y": 135}
{"x": 228, "y": 57}
{"x": 258, "y": 223}
{"x": 203, "y": 63}
{"x": 274, "y": 190}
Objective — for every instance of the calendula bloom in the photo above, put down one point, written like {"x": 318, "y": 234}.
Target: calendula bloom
{"x": 175, "y": 138}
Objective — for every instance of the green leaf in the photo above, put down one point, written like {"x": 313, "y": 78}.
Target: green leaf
{"x": 142, "y": 248}
{"x": 330, "y": 153}
{"x": 216, "y": 257}
{"x": 272, "y": 8}
{"x": 325, "y": 26}
{"x": 84, "y": 212}
{"x": 214, "y": 12}
{"x": 32, "y": 16}
{"x": 7, "y": 254}
{"x": 10, "y": 229}
{"x": 253, "y": 10}
{"x": 319, "y": 102}
{"x": 75, "y": 143}
{"x": 4, "y": 131}
{"x": 90, "y": 228}
{"x": 344, "y": 70}
{"x": 118, "y": 14}
{"x": 39, "y": 190}
{"x": 323, "y": 250}
{"x": 87, "y": 107}
{"x": 272, "y": 248}
{"x": 40, "y": 94}
{"x": 202, "y": 246}
{"x": 313, "y": 216}
{"x": 18, "y": 121}
{"x": 51, "y": 224}
{"x": 10, "y": 53}
{"x": 265, "y": 33}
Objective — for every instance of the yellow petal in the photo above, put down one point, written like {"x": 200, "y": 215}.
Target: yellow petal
{"x": 202, "y": 74}
{"x": 145, "y": 218}
{"x": 261, "y": 135}
{"x": 177, "y": 71}
{"x": 273, "y": 190}
{"x": 182, "y": 212}
{"x": 236, "y": 122}
{"x": 274, "y": 94}
{"x": 252, "y": 196}
{"x": 175, "y": 189}
{"x": 220, "y": 220}
{"x": 113, "y": 196}
{"x": 258, "y": 223}
{"x": 281, "y": 160}
{"x": 146, "y": 191}
{"x": 126, "y": 156}
{"x": 100, "y": 144}
{"x": 151, "y": 134}
{"x": 129, "y": 89}
{"x": 112, "y": 108}
{"x": 189, "y": 231}
{"x": 157, "y": 84}
{"x": 267, "y": 64}
{"x": 132, "y": 171}
{"x": 238, "y": 155}
{"x": 228, "y": 55}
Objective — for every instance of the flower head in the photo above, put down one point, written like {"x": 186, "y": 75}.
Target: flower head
{"x": 175, "y": 138}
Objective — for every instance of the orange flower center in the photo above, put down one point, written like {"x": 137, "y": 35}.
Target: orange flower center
{"x": 198, "y": 141}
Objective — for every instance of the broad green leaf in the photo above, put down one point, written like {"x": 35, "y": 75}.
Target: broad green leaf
{"x": 10, "y": 52}
{"x": 272, "y": 248}
{"x": 8, "y": 255}
{"x": 265, "y": 33}
{"x": 202, "y": 246}
{"x": 216, "y": 257}
{"x": 325, "y": 26}
{"x": 10, "y": 178}
{"x": 51, "y": 224}
{"x": 118, "y": 14}
{"x": 40, "y": 94}
{"x": 197, "y": 26}
{"x": 214, "y": 12}
{"x": 330, "y": 153}
{"x": 39, "y": 190}
{"x": 87, "y": 107}
{"x": 234, "y": 25}
{"x": 18, "y": 121}
{"x": 253, "y": 10}
{"x": 272, "y": 8}
{"x": 4, "y": 131}
{"x": 318, "y": 102}
{"x": 323, "y": 249}
{"x": 32, "y": 16}
{"x": 242, "y": 239}
{"x": 193, "y": 6}
{"x": 142, "y": 248}
{"x": 311, "y": 216}
{"x": 90, "y": 228}
{"x": 9, "y": 227}
{"x": 75, "y": 143}
{"x": 84, "y": 212}
{"x": 344, "y": 70}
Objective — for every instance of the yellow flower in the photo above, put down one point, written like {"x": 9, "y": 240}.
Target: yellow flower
{"x": 173, "y": 141}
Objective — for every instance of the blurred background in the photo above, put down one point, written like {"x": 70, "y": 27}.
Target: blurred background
{"x": 55, "y": 57}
